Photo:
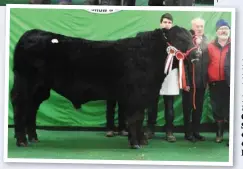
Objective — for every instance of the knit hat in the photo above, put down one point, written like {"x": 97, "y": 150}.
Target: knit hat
{"x": 220, "y": 23}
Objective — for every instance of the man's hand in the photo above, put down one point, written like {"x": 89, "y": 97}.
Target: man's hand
{"x": 187, "y": 88}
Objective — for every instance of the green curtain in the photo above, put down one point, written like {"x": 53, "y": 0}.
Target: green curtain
{"x": 58, "y": 111}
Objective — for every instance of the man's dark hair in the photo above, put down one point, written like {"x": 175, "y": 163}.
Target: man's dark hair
{"x": 167, "y": 16}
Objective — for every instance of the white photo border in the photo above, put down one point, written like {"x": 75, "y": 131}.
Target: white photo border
{"x": 128, "y": 162}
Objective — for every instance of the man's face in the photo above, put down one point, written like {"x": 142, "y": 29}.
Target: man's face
{"x": 198, "y": 28}
{"x": 166, "y": 23}
{"x": 223, "y": 32}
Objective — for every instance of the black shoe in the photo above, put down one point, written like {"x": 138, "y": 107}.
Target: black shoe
{"x": 199, "y": 137}
{"x": 190, "y": 137}
{"x": 220, "y": 131}
{"x": 150, "y": 132}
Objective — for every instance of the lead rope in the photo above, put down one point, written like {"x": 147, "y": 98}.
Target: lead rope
{"x": 193, "y": 77}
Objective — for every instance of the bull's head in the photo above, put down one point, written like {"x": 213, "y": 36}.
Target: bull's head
{"x": 181, "y": 45}
{"x": 182, "y": 42}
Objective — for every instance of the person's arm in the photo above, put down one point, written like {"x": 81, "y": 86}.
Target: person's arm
{"x": 227, "y": 67}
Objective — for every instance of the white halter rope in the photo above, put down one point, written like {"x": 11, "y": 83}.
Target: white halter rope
{"x": 173, "y": 52}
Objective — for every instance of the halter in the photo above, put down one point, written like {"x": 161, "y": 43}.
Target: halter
{"x": 173, "y": 52}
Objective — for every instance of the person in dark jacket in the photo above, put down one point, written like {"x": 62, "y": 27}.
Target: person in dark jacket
{"x": 169, "y": 89}
{"x": 196, "y": 75}
{"x": 218, "y": 86}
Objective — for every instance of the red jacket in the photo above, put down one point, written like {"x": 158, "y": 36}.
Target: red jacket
{"x": 217, "y": 56}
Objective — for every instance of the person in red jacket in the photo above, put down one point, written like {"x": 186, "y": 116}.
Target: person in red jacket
{"x": 218, "y": 86}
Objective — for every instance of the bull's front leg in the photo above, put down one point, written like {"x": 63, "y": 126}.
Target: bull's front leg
{"x": 132, "y": 130}
{"x": 132, "y": 136}
{"x": 142, "y": 139}
{"x": 136, "y": 135}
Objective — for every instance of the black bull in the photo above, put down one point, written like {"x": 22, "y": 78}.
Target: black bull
{"x": 129, "y": 70}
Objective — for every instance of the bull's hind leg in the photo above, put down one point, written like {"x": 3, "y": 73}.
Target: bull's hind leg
{"x": 40, "y": 94}
{"x": 20, "y": 103}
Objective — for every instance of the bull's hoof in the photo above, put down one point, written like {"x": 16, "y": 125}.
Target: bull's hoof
{"x": 135, "y": 147}
{"x": 22, "y": 144}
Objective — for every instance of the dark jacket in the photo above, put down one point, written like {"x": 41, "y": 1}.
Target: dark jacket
{"x": 200, "y": 67}
{"x": 110, "y": 2}
{"x": 227, "y": 66}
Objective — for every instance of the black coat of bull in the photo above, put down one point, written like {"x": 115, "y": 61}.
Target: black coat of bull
{"x": 129, "y": 70}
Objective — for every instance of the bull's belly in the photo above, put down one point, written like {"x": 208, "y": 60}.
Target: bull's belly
{"x": 79, "y": 94}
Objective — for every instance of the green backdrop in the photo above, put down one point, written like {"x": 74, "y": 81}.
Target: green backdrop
{"x": 58, "y": 111}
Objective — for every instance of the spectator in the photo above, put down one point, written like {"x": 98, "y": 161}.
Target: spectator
{"x": 169, "y": 90}
{"x": 218, "y": 86}
{"x": 197, "y": 81}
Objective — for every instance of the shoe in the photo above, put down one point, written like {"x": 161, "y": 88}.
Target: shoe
{"x": 199, "y": 137}
{"x": 110, "y": 134}
{"x": 123, "y": 133}
{"x": 150, "y": 132}
{"x": 190, "y": 137}
{"x": 170, "y": 137}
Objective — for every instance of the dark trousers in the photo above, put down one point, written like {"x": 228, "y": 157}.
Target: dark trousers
{"x": 110, "y": 113}
{"x": 192, "y": 117}
{"x": 169, "y": 112}
{"x": 220, "y": 100}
